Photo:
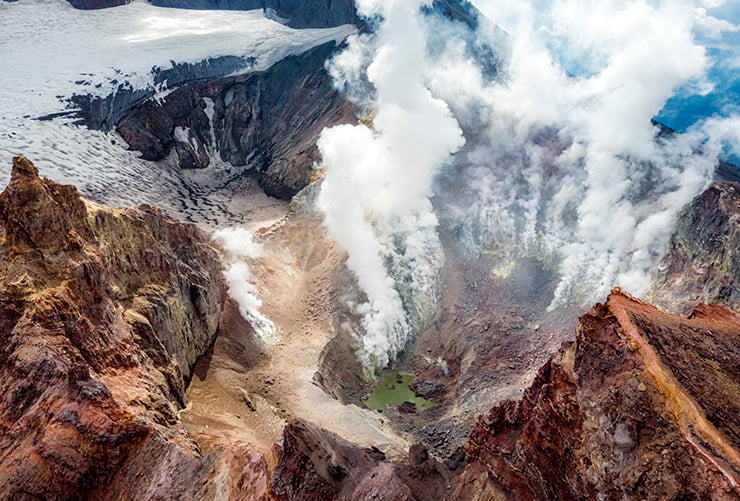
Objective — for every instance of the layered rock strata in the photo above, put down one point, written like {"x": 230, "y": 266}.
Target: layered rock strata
{"x": 103, "y": 313}
{"x": 267, "y": 121}
{"x": 644, "y": 405}
{"x": 703, "y": 261}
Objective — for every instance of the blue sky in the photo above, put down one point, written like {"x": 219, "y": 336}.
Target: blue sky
{"x": 686, "y": 107}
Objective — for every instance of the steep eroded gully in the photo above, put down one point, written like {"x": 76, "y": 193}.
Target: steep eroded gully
{"x": 103, "y": 311}
{"x": 615, "y": 416}
{"x": 245, "y": 389}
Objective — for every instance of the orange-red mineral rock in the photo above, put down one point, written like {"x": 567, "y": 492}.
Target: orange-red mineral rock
{"x": 644, "y": 405}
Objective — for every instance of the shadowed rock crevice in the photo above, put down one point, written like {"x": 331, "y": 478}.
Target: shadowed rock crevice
{"x": 316, "y": 465}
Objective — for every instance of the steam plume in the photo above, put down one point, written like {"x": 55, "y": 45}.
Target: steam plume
{"x": 563, "y": 166}
{"x": 569, "y": 168}
{"x": 239, "y": 246}
{"x": 379, "y": 180}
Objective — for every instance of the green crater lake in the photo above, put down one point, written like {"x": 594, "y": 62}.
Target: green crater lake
{"x": 394, "y": 390}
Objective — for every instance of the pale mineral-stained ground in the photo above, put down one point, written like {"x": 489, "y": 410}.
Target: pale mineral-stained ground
{"x": 242, "y": 397}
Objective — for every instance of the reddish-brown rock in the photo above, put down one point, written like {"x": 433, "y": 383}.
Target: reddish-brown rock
{"x": 103, "y": 312}
{"x": 316, "y": 465}
{"x": 644, "y": 405}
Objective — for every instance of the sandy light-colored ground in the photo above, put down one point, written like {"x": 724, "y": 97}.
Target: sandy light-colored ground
{"x": 245, "y": 389}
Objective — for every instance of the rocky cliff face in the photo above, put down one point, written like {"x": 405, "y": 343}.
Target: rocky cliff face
{"x": 703, "y": 260}
{"x": 104, "y": 112}
{"x": 644, "y": 405}
{"x": 267, "y": 121}
{"x": 305, "y": 14}
{"x": 294, "y": 13}
{"x": 316, "y": 465}
{"x": 97, "y": 4}
{"x": 103, "y": 312}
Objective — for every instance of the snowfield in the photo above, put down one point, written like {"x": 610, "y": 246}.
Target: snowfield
{"x": 51, "y": 51}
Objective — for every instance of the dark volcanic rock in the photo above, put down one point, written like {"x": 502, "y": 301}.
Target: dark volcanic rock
{"x": 267, "y": 121}
{"x": 151, "y": 128}
{"x": 294, "y": 13}
{"x": 316, "y": 465}
{"x": 211, "y": 4}
{"x": 103, "y": 313}
{"x": 314, "y": 14}
{"x": 428, "y": 389}
{"x": 703, "y": 260}
{"x": 104, "y": 112}
{"x": 643, "y": 405}
{"x": 461, "y": 11}
{"x": 97, "y": 4}
{"x": 318, "y": 13}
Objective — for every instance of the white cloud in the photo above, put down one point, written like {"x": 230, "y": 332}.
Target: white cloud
{"x": 721, "y": 133}
{"x": 712, "y": 27}
{"x": 571, "y": 162}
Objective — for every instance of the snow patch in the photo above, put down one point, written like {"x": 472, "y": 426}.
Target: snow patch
{"x": 42, "y": 45}
{"x": 41, "y": 50}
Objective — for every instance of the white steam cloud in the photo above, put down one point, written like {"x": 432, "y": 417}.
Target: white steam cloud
{"x": 562, "y": 166}
{"x": 239, "y": 246}
{"x": 568, "y": 167}
{"x": 379, "y": 179}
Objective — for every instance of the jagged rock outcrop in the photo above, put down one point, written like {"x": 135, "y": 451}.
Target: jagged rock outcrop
{"x": 104, "y": 112}
{"x": 103, "y": 313}
{"x": 644, "y": 405}
{"x": 293, "y": 13}
{"x": 702, "y": 264}
{"x": 316, "y": 465}
{"x": 316, "y": 13}
{"x": 267, "y": 121}
{"x": 97, "y": 4}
